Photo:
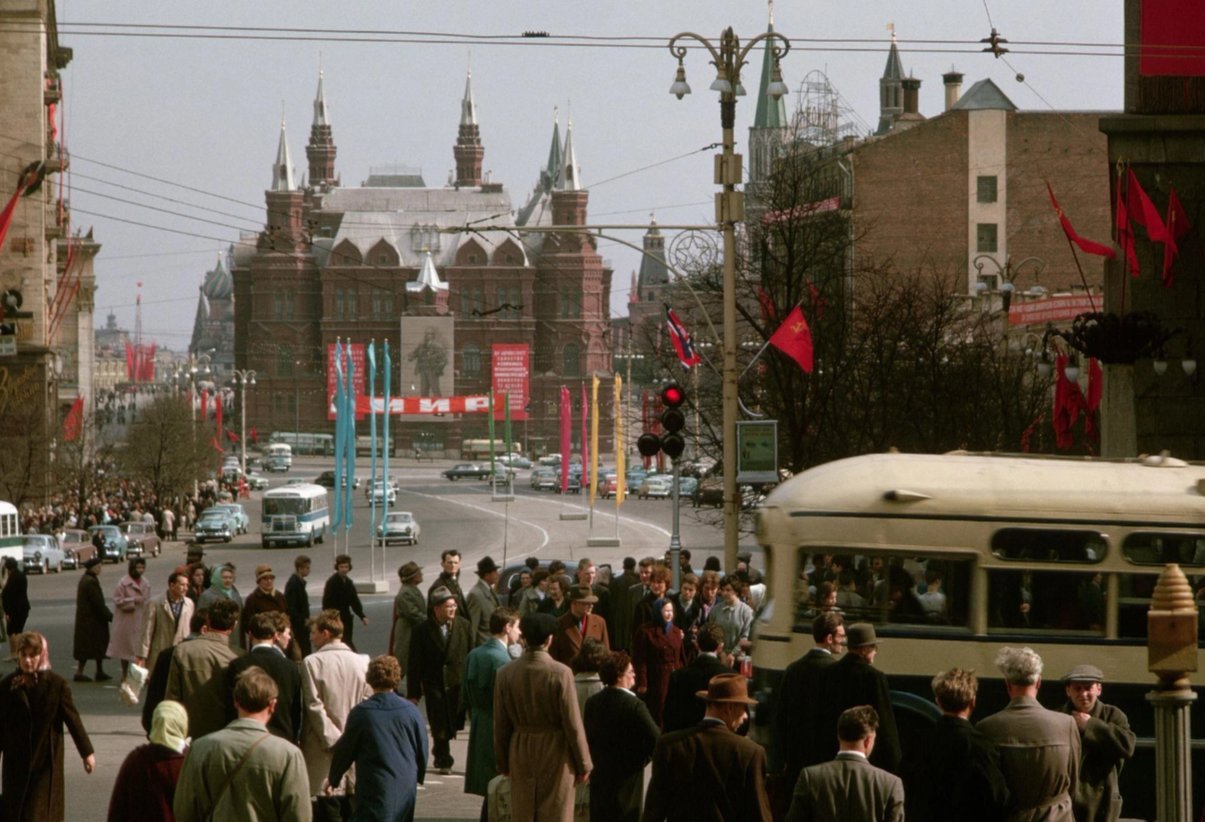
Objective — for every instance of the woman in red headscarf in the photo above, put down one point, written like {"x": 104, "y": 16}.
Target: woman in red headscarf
{"x": 657, "y": 653}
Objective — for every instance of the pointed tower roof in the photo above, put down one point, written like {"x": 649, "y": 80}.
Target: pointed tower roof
{"x": 770, "y": 113}
{"x": 634, "y": 289}
{"x": 553, "y": 170}
{"x": 653, "y": 269}
{"x": 428, "y": 277}
{"x": 320, "y": 113}
{"x": 984, "y": 95}
{"x": 468, "y": 109}
{"x": 282, "y": 170}
{"x": 218, "y": 285}
{"x": 895, "y": 67}
{"x": 570, "y": 178}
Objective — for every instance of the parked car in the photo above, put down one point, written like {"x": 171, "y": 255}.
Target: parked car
{"x": 608, "y": 484}
{"x": 545, "y": 479}
{"x": 372, "y": 486}
{"x": 574, "y": 484}
{"x": 515, "y": 461}
{"x": 214, "y": 524}
{"x": 298, "y": 481}
{"x": 115, "y": 542}
{"x": 238, "y": 515}
{"x": 467, "y": 470}
{"x": 399, "y": 526}
{"x": 709, "y": 492}
{"x": 257, "y": 482}
{"x": 142, "y": 539}
{"x": 77, "y": 547}
{"x": 687, "y": 486}
{"x": 380, "y": 491}
{"x": 327, "y": 479}
{"x": 657, "y": 486}
{"x": 41, "y": 554}
{"x": 550, "y": 459}
{"x": 633, "y": 478}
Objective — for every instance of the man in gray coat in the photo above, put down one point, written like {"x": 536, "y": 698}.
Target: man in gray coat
{"x": 1039, "y": 749}
{"x": 482, "y": 600}
{"x": 849, "y": 787}
{"x": 1107, "y": 743}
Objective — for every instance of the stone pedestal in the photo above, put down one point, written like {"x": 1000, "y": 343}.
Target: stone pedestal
{"x": 1173, "y": 755}
{"x": 1118, "y": 433}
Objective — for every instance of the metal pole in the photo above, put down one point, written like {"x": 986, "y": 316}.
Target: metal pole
{"x": 675, "y": 542}
{"x": 727, "y": 209}
{"x": 243, "y": 427}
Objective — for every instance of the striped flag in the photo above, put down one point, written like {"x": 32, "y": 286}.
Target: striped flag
{"x": 680, "y": 337}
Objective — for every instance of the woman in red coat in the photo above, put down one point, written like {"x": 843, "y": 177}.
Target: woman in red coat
{"x": 657, "y": 653}
{"x": 146, "y": 784}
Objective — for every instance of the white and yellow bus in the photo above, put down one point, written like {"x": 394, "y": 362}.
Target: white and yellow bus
{"x": 954, "y": 556}
{"x": 294, "y": 515}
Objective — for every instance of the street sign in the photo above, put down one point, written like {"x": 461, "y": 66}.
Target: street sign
{"x": 757, "y": 451}
{"x": 8, "y": 345}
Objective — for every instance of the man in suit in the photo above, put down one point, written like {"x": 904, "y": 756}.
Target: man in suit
{"x": 482, "y": 600}
{"x": 619, "y": 621}
{"x": 622, "y": 734}
{"x": 849, "y": 787}
{"x": 576, "y": 624}
{"x": 438, "y": 650}
{"x": 678, "y": 794}
{"x": 853, "y": 680}
{"x": 587, "y": 574}
{"x": 298, "y": 601}
{"x": 449, "y": 577}
{"x": 270, "y": 636}
{"x": 795, "y": 717}
{"x": 1039, "y": 749}
{"x": 166, "y": 622}
{"x": 1107, "y": 743}
{"x": 959, "y": 776}
{"x": 682, "y": 708}
{"x": 636, "y": 592}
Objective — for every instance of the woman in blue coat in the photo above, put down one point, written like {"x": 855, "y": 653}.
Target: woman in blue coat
{"x": 479, "y": 672}
{"x": 386, "y": 739}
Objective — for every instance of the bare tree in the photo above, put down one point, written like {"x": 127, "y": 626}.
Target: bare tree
{"x": 166, "y": 447}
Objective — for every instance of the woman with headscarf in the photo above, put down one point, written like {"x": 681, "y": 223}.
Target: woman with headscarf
{"x": 35, "y": 704}
{"x": 221, "y": 586}
{"x": 657, "y": 652}
{"x": 15, "y": 601}
{"x": 130, "y": 597}
{"x": 146, "y": 784}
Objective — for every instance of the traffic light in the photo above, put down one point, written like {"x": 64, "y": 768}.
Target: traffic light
{"x": 673, "y": 420}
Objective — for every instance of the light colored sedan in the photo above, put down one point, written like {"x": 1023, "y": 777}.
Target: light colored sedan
{"x": 142, "y": 539}
{"x": 238, "y": 515}
{"x": 399, "y": 526}
{"x": 41, "y": 554}
{"x": 657, "y": 486}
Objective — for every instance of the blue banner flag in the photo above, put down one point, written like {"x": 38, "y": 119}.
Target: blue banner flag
{"x": 337, "y": 504}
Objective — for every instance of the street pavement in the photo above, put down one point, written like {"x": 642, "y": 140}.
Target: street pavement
{"x": 459, "y": 514}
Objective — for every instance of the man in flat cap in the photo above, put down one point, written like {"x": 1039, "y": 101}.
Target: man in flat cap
{"x": 850, "y": 681}
{"x": 483, "y": 600}
{"x": 1107, "y": 743}
{"x": 576, "y": 624}
{"x": 539, "y": 739}
{"x": 438, "y": 650}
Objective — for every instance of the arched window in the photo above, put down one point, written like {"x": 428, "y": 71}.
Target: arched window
{"x": 571, "y": 365}
{"x": 470, "y": 362}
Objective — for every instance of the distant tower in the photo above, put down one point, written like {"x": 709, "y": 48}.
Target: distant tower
{"x": 570, "y": 178}
{"x": 769, "y": 131}
{"x": 891, "y": 90}
{"x": 468, "y": 150}
{"x": 321, "y": 149}
{"x": 137, "y": 369}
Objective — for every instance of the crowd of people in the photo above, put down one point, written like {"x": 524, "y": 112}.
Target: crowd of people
{"x": 570, "y": 687}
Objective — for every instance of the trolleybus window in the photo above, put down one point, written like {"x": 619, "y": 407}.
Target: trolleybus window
{"x": 1053, "y": 601}
{"x": 916, "y": 591}
{"x": 1049, "y": 545}
{"x": 1144, "y": 548}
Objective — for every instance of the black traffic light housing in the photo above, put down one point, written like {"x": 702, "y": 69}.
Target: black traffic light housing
{"x": 673, "y": 420}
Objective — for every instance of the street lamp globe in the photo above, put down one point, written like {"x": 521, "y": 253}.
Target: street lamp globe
{"x": 680, "y": 88}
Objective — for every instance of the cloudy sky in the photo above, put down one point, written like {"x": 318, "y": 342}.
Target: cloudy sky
{"x": 176, "y": 106}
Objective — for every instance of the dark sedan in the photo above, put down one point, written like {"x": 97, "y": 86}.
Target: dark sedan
{"x": 467, "y": 470}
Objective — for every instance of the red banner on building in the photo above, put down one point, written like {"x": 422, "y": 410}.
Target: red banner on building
{"x": 511, "y": 376}
{"x": 423, "y": 405}
{"x": 1052, "y": 309}
{"x": 1172, "y": 33}
{"x": 358, "y": 379}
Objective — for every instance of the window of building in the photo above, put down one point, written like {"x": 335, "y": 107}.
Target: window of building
{"x": 985, "y": 238}
{"x": 470, "y": 362}
{"x": 290, "y": 300}
{"x": 278, "y": 305}
{"x": 543, "y": 359}
{"x": 985, "y": 188}
{"x": 285, "y": 364}
{"x": 571, "y": 365}
{"x": 571, "y": 304}
{"x": 382, "y": 304}
{"x": 508, "y": 302}
{"x": 340, "y": 305}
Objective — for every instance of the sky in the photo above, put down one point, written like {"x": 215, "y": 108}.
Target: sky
{"x": 190, "y": 124}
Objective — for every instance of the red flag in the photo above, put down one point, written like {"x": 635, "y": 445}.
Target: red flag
{"x": 769, "y": 313}
{"x": 233, "y": 437}
{"x": 1125, "y": 232}
{"x": 74, "y": 421}
{"x": 1085, "y": 245}
{"x": 253, "y": 435}
{"x": 217, "y": 414}
{"x": 794, "y": 339}
{"x": 679, "y": 336}
{"x": 1177, "y": 227}
{"x": 1068, "y": 404}
{"x": 29, "y": 176}
{"x": 1145, "y": 213}
{"x": 818, "y": 302}
{"x": 566, "y": 436}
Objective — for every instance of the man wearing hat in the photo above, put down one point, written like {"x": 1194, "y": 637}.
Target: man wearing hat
{"x": 409, "y": 612}
{"x": 539, "y": 739}
{"x": 264, "y": 599}
{"x": 712, "y": 747}
{"x": 92, "y": 618}
{"x": 438, "y": 650}
{"x": 576, "y": 624}
{"x": 1107, "y": 743}
{"x": 853, "y": 680}
{"x": 482, "y": 599}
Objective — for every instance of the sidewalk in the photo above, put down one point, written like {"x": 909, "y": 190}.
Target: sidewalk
{"x": 443, "y": 797}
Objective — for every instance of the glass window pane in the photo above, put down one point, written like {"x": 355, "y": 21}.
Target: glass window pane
{"x": 1046, "y": 601}
{"x": 1048, "y": 545}
{"x": 1160, "y": 549}
{"x": 986, "y": 189}
{"x": 985, "y": 238}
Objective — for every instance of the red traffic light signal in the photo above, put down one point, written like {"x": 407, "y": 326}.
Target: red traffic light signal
{"x": 672, "y": 395}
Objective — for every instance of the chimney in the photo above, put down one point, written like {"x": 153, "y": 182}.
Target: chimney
{"x": 953, "y": 82}
{"x": 911, "y": 95}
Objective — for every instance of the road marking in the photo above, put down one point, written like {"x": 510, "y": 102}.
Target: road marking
{"x": 491, "y": 512}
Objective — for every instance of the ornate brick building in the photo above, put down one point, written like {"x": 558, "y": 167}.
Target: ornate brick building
{"x": 384, "y": 261}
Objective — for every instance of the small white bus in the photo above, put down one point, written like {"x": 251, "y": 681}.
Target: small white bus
{"x": 294, "y": 514}
{"x": 278, "y": 456}
{"x": 11, "y": 544}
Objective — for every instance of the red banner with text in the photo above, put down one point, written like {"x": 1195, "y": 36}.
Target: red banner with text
{"x": 358, "y": 379}
{"x": 511, "y": 376}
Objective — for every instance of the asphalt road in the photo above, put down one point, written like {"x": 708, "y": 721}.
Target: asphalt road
{"x": 459, "y": 514}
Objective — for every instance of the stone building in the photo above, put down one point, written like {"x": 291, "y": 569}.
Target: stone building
{"x": 383, "y": 261}
{"x": 213, "y": 327}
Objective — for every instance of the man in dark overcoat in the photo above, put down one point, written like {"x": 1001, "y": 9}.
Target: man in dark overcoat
{"x": 270, "y": 635}
{"x": 577, "y": 624}
{"x": 339, "y": 594}
{"x": 92, "y": 618}
{"x": 622, "y": 734}
{"x": 438, "y": 650}
{"x": 795, "y": 717}
{"x": 853, "y": 680}
{"x": 683, "y": 709}
{"x": 1107, "y": 743}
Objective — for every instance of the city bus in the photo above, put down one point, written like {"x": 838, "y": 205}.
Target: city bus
{"x": 294, "y": 514}
{"x": 1059, "y": 554}
{"x": 316, "y": 444}
{"x": 278, "y": 456}
{"x": 480, "y": 449}
{"x": 11, "y": 544}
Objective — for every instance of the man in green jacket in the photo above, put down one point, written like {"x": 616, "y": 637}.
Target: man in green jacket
{"x": 243, "y": 771}
{"x": 1107, "y": 743}
{"x": 196, "y": 676}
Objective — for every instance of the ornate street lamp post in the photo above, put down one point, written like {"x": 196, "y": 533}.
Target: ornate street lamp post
{"x": 728, "y": 57}
{"x": 243, "y": 378}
